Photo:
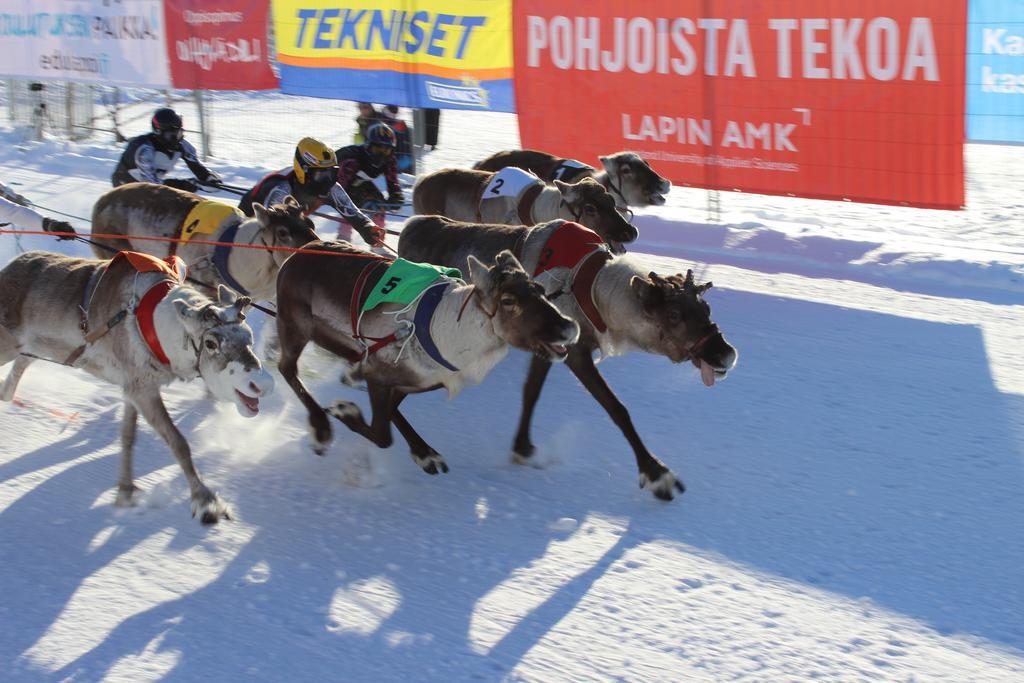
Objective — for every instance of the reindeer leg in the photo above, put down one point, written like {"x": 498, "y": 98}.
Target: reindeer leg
{"x": 654, "y": 476}
{"x": 205, "y": 502}
{"x": 379, "y": 432}
{"x": 126, "y": 488}
{"x": 288, "y": 365}
{"x": 523, "y": 448}
{"x": 426, "y": 457}
{"x": 21, "y": 363}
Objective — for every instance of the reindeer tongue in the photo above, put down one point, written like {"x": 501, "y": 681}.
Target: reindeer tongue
{"x": 707, "y": 374}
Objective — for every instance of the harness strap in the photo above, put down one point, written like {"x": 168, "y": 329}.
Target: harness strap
{"x": 519, "y": 245}
{"x": 144, "y": 317}
{"x": 172, "y": 249}
{"x": 583, "y": 286}
{"x": 526, "y": 201}
{"x": 424, "y": 313}
{"x": 360, "y": 292}
{"x": 221, "y": 252}
{"x": 480, "y": 201}
{"x": 83, "y": 308}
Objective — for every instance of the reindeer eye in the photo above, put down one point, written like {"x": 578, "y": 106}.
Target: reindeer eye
{"x": 210, "y": 345}
{"x": 508, "y": 301}
{"x": 674, "y": 316}
{"x": 590, "y": 208}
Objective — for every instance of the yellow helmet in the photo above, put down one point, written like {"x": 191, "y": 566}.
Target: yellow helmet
{"x": 311, "y": 154}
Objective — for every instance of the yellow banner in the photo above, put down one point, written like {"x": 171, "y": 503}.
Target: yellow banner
{"x": 445, "y": 38}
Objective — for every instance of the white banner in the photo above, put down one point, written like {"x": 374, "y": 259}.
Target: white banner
{"x": 113, "y": 43}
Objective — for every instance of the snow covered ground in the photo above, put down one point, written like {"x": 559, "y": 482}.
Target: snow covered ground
{"x": 853, "y": 512}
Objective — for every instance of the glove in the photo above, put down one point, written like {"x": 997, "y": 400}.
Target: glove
{"x": 181, "y": 184}
{"x": 50, "y": 225}
{"x": 371, "y": 233}
{"x": 213, "y": 178}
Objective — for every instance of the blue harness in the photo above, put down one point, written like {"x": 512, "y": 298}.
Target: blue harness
{"x": 220, "y": 259}
{"x": 424, "y": 314}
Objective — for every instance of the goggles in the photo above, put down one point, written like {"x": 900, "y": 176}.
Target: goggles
{"x": 322, "y": 177}
{"x": 378, "y": 150}
{"x": 172, "y": 134}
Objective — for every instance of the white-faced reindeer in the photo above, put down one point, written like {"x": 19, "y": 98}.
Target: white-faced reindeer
{"x": 629, "y": 178}
{"x": 141, "y": 330}
{"x": 478, "y": 196}
{"x": 619, "y": 306}
{"x": 149, "y": 210}
{"x": 459, "y": 333}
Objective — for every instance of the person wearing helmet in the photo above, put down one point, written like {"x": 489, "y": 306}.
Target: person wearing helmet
{"x": 312, "y": 180}
{"x": 149, "y": 158}
{"x": 359, "y": 165}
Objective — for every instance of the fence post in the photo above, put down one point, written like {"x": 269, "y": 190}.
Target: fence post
{"x": 69, "y": 97}
{"x": 419, "y": 136}
{"x": 204, "y": 124}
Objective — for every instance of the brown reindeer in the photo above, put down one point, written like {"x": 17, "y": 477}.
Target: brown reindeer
{"x": 619, "y": 306}
{"x": 629, "y": 178}
{"x": 139, "y": 331}
{"x": 458, "y": 333}
{"x": 463, "y": 194}
{"x": 149, "y": 210}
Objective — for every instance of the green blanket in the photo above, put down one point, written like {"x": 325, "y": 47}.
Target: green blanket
{"x": 404, "y": 280}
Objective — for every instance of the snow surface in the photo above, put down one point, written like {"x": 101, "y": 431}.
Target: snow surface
{"x": 854, "y": 507}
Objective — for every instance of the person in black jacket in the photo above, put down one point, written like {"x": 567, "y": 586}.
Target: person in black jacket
{"x": 150, "y": 157}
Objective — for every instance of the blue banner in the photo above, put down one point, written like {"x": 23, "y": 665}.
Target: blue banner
{"x": 995, "y": 71}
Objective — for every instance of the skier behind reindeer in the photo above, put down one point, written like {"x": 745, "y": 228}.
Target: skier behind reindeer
{"x": 149, "y": 158}
{"x": 360, "y": 165}
{"x": 313, "y": 182}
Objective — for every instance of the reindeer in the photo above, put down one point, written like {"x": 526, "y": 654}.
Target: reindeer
{"x": 619, "y": 306}
{"x": 141, "y": 330}
{"x": 468, "y": 333}
{"x": 463, "y": 194}
{"x": 148, "y": 210}
{"x": 629, "y": 178}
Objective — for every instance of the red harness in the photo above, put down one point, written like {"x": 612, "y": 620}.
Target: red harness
{"x": 173, "y": 267}
{"x": 583, "y": 252}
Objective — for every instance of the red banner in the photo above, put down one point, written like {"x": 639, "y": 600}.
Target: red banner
{"x": 861, "y": 100}
{"x": 218, "y": 44}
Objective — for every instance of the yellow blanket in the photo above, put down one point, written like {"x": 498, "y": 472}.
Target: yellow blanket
{"x": 206, "y": 217}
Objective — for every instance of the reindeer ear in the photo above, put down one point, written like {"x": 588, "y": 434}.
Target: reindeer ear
{"x": 261, "y": 214}
{"x": 569, "y": 192}
{"x": 225, "y": 296}
{"x": 186, "y": 312}
{"x": 480, "y": 274}
{"x": 292, "y": 203}
{"x": 507, "y": 260}
{"x": 646, "y": 292}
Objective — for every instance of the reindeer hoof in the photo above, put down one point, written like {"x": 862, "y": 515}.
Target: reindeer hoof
{"x": 126, "y": 495}
{"x": 527, "y": 460}
{"x": 319, "y": 433}
{"x": 664, "y": 486}
{"x": 432, "y": 463}
{"x": 346, "y": 412}
{"x": 210, "y": 510}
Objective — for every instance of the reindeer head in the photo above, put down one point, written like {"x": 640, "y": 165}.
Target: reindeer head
{"x": 592, "y": 205}
{"x": 284, "y": 225}
{"x": 223, "y": 345}
{"x": 522, "y": 315}
{"x": 639, "y": 184}
{"x": 678, "y": 324}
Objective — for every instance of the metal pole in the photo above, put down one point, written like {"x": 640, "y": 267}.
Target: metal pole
{"x": 204, "y": 125}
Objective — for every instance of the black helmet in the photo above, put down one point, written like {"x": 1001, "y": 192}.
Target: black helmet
{"x": 168, "y": 126}
{"x": 380, "y": 144}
